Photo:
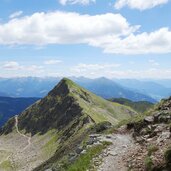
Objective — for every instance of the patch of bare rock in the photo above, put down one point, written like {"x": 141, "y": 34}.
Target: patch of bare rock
{"x": 152, "y": 135}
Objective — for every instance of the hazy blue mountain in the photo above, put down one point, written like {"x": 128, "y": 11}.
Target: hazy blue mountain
{"x": 12, "y": 106}
{"x": 39, "y": 87}
{"x": 154, "y": 89}
{"x": 28, "y": 86}
{"x": 107, "y": 88}
{"x": 164, "y": 82}
{"x": 2, "y": 94}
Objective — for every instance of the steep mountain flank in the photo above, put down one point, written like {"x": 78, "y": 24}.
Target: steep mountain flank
{"x": 68, "y": 114}
{"x": 66, "y": 102}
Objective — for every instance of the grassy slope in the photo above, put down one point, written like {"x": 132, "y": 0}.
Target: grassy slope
{"x": 141, "y": 106}
{"x": 98, "y": 108}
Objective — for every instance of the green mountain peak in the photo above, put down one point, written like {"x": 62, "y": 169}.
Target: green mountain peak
{"x": 65, "y": 104}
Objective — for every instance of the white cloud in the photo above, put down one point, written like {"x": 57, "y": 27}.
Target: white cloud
{"x": 91, "y": 68}
{"x": 83, "y": 2}
{"x": 15, "y": 66}
{"x": 34, "y": 68}
{"x": 16, "y": 14}
{"x": 153, "y": 62}
{"x": 97, "y": 70}
{"x": 148, "y": 73}
{"x": 63, "y": 28}
{"x": 11, "y": 65}
{"x": 156, "y": 42}
{"x": 109, "y": 31}
{"x": 52, "y": 62}
{"x": 139, "y": 4}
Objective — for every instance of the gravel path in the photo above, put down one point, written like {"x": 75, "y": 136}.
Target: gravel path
{"x": 23, "y": 152}
{"x": 27, "y": 137}
{"x": 112, "y": 156}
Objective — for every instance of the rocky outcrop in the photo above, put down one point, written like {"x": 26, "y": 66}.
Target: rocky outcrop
{"x": 153, "y": 137}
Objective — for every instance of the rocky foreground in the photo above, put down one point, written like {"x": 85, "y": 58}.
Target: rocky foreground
{"x": 142, "y": 145}
{"x": 153, "y": 140}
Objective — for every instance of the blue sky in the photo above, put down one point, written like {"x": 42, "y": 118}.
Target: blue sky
{"x": 114, "y": 38}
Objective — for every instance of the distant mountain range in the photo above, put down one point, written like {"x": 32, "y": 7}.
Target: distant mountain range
{"x": 12, "y": 106}
{"x": 27, "y": 86}
{"x": 39, "y": 87}
{"x": 2, "y": 94}
{"x": 155, "y": 89}
{"x": 135, "y": 90}
{"x": 107, "y": 88}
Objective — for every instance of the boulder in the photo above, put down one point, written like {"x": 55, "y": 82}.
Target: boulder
{"x": 79, "y": 150}
{"x": 165, "y": 135}
{"x": 156, "y": 116}
{"x": 91, "y": 141}
{"x": 164, "y": 118}
{"x": 159, "y": 128}
{"x": 149, "y": 119}
{"x": 94, "y": 135}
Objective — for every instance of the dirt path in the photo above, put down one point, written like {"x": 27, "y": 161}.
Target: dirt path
{"x": 22, "y": 152}
{"x": 28, "y": 137}
{"x": 112, "y": 156}
{"x": 10, "y": 156}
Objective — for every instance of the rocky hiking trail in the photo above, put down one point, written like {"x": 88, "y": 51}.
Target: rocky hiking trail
{"x": 21, "y": 152}
{"x": 112, "y": 158}
{"x": 15, "y": 149}
{"x": 27, "y": 137}
{"x": 23, "y": 135}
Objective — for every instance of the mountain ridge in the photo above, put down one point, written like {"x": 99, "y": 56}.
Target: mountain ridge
{"x": 39, "y": 87}
{"x": 68, "y": 97}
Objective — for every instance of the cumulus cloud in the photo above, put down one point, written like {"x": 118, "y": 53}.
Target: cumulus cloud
{"x": 16, "y": 14}
{"x": 139, "y": 4}
{"x": 156, "y": 42}
{"x": 111, "y": 32}
{"x": 52, "y": 62}
{"x": 62, "y": 27}
{"x": 83, "y": 2}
